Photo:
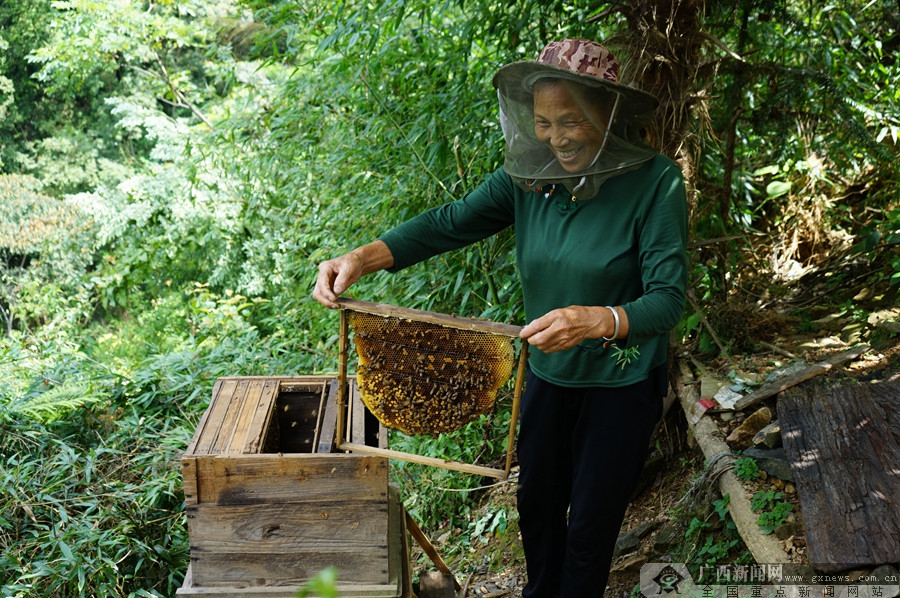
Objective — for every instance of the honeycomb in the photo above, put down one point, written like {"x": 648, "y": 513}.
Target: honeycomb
{"x": 424, "y": 378}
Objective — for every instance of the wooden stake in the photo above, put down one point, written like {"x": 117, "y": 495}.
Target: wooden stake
{"x": 422, "y": 540}
{"x": 514, "y": 416}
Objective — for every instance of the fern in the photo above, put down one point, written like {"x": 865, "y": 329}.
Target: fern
{"x": 54, "y": 403}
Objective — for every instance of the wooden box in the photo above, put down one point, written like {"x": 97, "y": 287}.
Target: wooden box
{"x": 269, "y": 504}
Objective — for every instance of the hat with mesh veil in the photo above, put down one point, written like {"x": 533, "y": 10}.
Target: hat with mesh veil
{"x": 580, "y": 60}
{"x": 593, "y": 67}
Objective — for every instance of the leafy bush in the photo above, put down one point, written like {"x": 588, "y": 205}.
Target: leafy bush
{"x": 90, "y": 516}
{"x": 440, "y": 498}
{"x": 90, "y": 485}
{"x": 746, "y": 468}
{"x": 773, "y": 511}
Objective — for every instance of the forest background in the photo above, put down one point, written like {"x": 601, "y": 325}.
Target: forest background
{"x": 171, "y": 172}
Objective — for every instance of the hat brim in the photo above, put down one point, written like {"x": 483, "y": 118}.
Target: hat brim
{"x": 517, "y": 79}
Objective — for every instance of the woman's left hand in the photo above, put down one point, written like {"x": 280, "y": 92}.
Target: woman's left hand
{"x": 564, "y": 328}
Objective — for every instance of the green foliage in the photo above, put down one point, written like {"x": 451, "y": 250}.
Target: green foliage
{"x": 624, "y": 356}
{"x": 7, "y": 88}
{"x": 440, "y": 498}
{"x": 763, "y": 499}
{"x": 23, "y": 23}
{"x": 822, "y": 73}
{"x": 770, "y": 520}
{"x": 323, "y": 585}
{"x": 89, "y": 470}
{"x": 54, "y": 402}
{"x": 892, "y": 236}
{"x": 42, "y": 260}
{"x": 746, "y": 468}
{"x": 773, "y": 511}
{"x": 490, "y": 539}
{"x": 714, "y": 542}
{"x": 29, "y": 219}
{"x": 101, "y": 37}
{"x": 810, "y": 109}
{"x": 88, "y": 518}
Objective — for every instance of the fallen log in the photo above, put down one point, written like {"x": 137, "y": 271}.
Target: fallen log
{"x": 764, "y": 548}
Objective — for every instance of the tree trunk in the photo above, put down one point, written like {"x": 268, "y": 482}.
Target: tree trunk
{"x": 662, "y": 54}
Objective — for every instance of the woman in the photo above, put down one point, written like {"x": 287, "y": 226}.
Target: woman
{"x": 601, "y": 227}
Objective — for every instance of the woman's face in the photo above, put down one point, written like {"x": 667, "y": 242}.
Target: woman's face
{"x": 574, "y": 136}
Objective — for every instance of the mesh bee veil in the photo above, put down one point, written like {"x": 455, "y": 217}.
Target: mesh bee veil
{"x": 590, "y": 74}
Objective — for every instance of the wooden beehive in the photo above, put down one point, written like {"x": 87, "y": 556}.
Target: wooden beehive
{"x": 269, "y": 502}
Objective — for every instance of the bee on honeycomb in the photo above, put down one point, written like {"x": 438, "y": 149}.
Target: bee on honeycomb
{"x": 424, "y": 378}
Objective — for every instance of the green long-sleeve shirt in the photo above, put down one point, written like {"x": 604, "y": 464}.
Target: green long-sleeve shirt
{"x": 625, "y": 246}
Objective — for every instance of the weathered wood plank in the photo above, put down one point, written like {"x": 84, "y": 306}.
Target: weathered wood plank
{"x": 845, "y": 456}
{"x": 258, "y": 569}
{"x": 770, "y": 390}
{"x": 343, "y": 392}
{"x": 327, "y": 526}
{"x": 286, "y": 381}
{"x": 262, "y": 418}
{"x": 382, "y": 436}
{"x": 244, "y": 581}
{"x": 399, "y": 521}
{"x": 230, "y": 415}
{"x": 357, "y": 417}
{"x": 317, "y": 433}
{"x": 201, "y": 425}
{"x": 244, "y": 411}
{"x": 398, "y": 549}
{"x": 329, "y": 419}
{"x": 189, "y": 480}
{"x": 212, "y": 420}
{"x": 344, "y": 590}
{"x": 263, "y": 478}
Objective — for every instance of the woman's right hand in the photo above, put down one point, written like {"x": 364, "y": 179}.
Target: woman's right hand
{"x": 335, "y": 277}
{"x": 338, "y": 274}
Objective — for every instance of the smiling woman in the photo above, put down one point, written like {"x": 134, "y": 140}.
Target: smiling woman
{"x": 569, "y": 98}
{"x": 601, "y": 225}
{"x": 573, "y": 129}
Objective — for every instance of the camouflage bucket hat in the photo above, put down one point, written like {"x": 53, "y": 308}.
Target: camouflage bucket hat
{"x": 580, "y": 60}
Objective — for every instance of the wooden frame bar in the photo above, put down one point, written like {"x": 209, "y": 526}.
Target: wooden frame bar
{"x": 392, "y": 311}
{"x": 342, "y": 395}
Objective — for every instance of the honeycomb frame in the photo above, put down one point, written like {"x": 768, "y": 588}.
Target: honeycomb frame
{"x": 425, "y": 372}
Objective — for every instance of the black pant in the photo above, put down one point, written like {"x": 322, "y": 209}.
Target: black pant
{"x": 580, "y": 453}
